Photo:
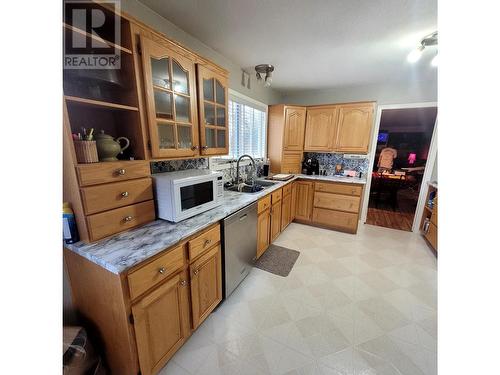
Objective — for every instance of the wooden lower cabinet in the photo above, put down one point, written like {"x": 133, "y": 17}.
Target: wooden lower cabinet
{"x": 305, "y": 196}
{"x": 293, "y": 204}
{"x": 144, "y": 315}
{"x": 206, "y": 284}
{"x": 286, "y": 207}
{"x": 337, "y": 205}
{"x": 263, "y": 231}
{"x": 345, "y": 221}
{"x": 161, "y": 323}
{"x": 275, "y": 220}
{"x": 431, "y": 235}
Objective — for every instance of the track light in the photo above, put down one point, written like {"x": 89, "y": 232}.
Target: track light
{"x": 428, "y": 41}
{"x": 415, "y": 55}
{"x": 434, "y": 61}
{"x": 266, "y": 69}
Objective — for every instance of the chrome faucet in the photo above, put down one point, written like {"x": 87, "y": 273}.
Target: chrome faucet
{"x": 238, "y": 167}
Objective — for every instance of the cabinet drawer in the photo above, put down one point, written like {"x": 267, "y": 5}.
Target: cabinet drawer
{"x": 156, "y": 271}
{"x": 93, "y": 174}
{"x": 291, "y": 162}
{"x": 336, "y": 202}
{"x": 105, "y": 197}
{"x": 339, "y": 188}
{"x": 431, "y": 235}
{"x": 203, "y": 242}
{"x": 336, "y": 219}
{"x": 120, "y": 219}
{"x": 287, "y": 189}
{"x": 276, "y": 196}
{"x": 264, "y": 204}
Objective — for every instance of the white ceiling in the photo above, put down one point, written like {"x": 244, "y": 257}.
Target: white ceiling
{"x": 316, "y": 43}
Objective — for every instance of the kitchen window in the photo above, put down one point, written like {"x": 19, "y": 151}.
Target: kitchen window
{"x": 247, "y": 127}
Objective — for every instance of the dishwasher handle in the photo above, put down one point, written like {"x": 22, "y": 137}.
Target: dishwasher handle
{"x": 243, "y": 217}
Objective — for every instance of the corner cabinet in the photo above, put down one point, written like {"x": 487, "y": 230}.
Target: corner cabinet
{"x": 295, "y": 121}
{"x": 354, "y": 128}
{"x": 213, "y": 110}
{"x": 170, "y": 93}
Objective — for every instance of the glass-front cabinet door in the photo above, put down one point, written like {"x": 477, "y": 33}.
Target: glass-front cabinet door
{"x": 212, "y": 94}
{"x": 171, "y": 101}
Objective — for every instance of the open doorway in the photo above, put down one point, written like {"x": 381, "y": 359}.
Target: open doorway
{"x": 401, "y": 158}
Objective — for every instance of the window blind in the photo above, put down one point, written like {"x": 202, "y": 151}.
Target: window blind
{"x": 247, "y": 129}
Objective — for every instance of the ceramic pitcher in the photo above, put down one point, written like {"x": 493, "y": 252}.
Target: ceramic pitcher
{"x": 108, "y": 148}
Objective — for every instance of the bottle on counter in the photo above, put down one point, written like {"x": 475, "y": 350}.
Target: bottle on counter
{"x": 70, "y": 231}
{"x": 265, "y": 167}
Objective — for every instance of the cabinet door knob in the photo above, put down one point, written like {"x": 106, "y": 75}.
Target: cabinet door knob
{"x": 183, "y": 282}
{"x": 194, "y": 148}
{"x": 127, "y": 218}
{"x": 207, "y": 242}
{"x": 125, "y": 194}
{"x": 204, "y": 147}
{"x": 196, "y": 272}
{"x": 120, "y": 171}
{"x": 161, "y": 270}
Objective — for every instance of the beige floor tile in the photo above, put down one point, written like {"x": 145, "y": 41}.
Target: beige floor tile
{"x": 353, "y": 304}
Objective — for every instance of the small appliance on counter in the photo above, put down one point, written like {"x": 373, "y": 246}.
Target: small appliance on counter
{"x": 180, "y": 195}
{"x": 310, "y": 167}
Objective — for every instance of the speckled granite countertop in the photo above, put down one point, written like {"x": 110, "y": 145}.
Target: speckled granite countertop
{"x": 123, "y": 251}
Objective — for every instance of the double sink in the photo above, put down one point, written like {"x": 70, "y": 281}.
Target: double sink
{"x": 257, "y": 186}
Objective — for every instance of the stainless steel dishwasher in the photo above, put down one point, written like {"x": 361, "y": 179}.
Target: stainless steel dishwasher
{"x": 240, "y": 246}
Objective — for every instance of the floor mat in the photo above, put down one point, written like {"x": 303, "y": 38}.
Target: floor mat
{"x": 278, "y": 260}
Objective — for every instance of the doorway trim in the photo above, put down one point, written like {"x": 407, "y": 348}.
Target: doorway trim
{"x": 428, "y": 166}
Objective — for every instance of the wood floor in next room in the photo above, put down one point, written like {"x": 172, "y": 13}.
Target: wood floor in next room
{"x": 353, "y": 304}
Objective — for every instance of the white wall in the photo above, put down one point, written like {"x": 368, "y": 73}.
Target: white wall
{"x": 157, "y": 22}
{"x": 386, "y": 93}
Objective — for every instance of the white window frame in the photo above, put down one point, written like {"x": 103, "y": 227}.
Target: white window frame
{"x": 218, "y": 163}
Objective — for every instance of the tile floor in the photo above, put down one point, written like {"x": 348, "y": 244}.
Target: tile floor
{"x": 353, "y": 304}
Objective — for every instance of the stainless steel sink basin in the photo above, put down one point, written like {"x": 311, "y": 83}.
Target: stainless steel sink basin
{"x": 246, "y": 188}
{"x": 265, "y": 183}
{"x": 258, "y": 185}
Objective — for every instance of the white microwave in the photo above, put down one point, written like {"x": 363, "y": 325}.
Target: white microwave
{"x": 180, "y": 195}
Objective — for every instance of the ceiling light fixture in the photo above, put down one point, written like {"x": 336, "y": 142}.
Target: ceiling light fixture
{"x": 428, "y": 41}
{"x": 266, "y": 69}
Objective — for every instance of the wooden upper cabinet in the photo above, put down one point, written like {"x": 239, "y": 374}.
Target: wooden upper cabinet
{"x": 161, "y": 323}
{"x": 321, "y": 129}
{"x": 170, "y": 91}
{"x": 354, "y": 128}
{"x": 213, "y": 110}
{"x": 295, "y": 121}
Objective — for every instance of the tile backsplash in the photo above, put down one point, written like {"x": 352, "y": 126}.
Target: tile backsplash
{"x": 202, "y": 163}
{"x": 178, "y": 165}
{"x": 328, "y": 162}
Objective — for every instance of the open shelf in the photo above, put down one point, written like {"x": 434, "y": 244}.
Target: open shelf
{"x": 99, "y": 103}
{"x": 114, "y": 121}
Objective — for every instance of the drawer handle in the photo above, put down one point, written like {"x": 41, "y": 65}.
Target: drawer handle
{"x": 120, "y": 171}
{"x": 128, "y": 218}
{"x": 195, "y": 272}
{"x": 353, "y": 192}
{"x": 124, "y": 194}
{"x": 161, "y": 270}
{"x": 207, "y": 242}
